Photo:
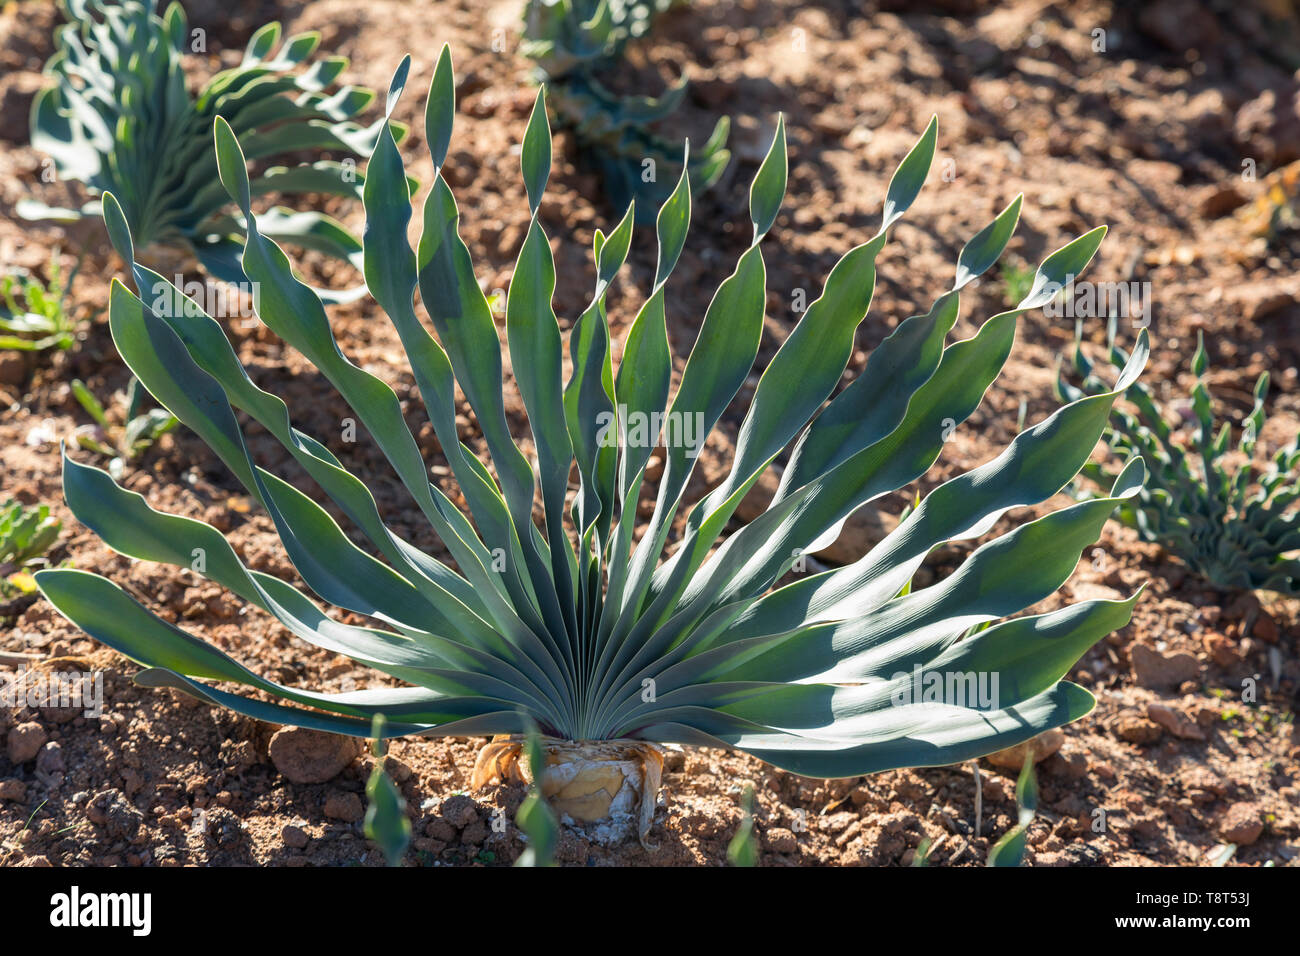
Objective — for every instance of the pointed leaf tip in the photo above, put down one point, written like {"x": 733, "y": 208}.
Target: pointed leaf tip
{"x": 535, "y": 157}
{"x": 231, "y": 166}
{"x": 119, "y": 231}
{"x": 397, "y": 85}
{"x": 440, "y": 108}
{"x": 768, "y": 188}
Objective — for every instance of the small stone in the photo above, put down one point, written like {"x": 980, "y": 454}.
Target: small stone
{"x": 674, "y": 760}
{"x": 440, "y": 830}
{"x": 1221, "y": 201}
{"x": 26, "y": 741}
{"x": 1136, "y": 729}
{"x": 311, "y": 756}
{"x": 1175, "y": 721}
{"x": 294, "y": 837}
{"x": 1265, "y": 628}
{"x": 122, "y": 820}
{"x": 1159, "y": 671}
{"x": 459, "y": 810}
{"x": 1044, "y": 745}
{"x": 344, "y": 806}
{"x": 14, "y": 790}
{"x": 474, "y": 834}
{"x": 1223, "y": 651}
{"x": 1241, "y": 824}
{"x": 781, "y": 840}
{"x": 50, "y": 760}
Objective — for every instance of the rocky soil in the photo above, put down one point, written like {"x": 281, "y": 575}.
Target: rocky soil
{"x": 1172, "y": 125}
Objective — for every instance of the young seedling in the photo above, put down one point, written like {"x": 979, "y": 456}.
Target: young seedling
{"x": 126, "y": 433}
{"x": 34, "y": 315}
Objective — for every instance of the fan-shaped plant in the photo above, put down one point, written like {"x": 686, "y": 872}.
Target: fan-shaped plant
{"x": 567, "y": 622}
{"x": 119, "y": 118}
{"x": 573, "y": 43}
{"x": 1230, "y": 526}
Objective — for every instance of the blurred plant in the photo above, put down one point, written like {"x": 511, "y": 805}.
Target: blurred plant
{"x": 1010, "y": 850}
{"x": 39, "y": 320}
{"x": 386, "y": 823}
{"x": 26, "y": 534}
{"x": 573, "y": 42}
{"x": 1017, "y": 280}
{"x": 1196, "y": 502}
{"x": 743, "y": 848}
{"x": 119, "y": 119}
{"x": 535, "y": 816}
{"x": 120, "y": 437}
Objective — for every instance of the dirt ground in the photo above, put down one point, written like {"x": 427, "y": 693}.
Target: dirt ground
{"x": 1150, "y": 136}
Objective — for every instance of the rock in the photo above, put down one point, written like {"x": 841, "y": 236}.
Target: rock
{"x": 345, "y": 806}
{"x": 781, "y": 840}
{"x": 674, "y": 759}
{"x": 459, "y": 810}
{"x": 310, "y": 756}
{"x": 1179, "y": 25}
{"x": 1044, "y": 745}
{"x": 122, "y": 821}
{"x": 474, "y": 834}
{"x": 1221, "y": 201}
{"x": 1267, "y": 128}
{"x": 13, "y": 368}
{"x": 1175, "y": 721}
{"x": 1223, "y": 651}
{"x": 1158, "y": 671}
{"x": 1136, "y": 729}
{"x": 14, "y": 790}
{"x": 1265, "y": 628}
{"x": 1241, "y": 824}
{"x": 26, "y": 741}
{"x": 294, "y": 837}
{"x": 50, "y": 760}
{"x": 17, "y": 90}
{"x": 440, "y": 830}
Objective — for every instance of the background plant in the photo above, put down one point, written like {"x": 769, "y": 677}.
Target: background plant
{"x": 1010, "y": 848}
{"x": 562, "y": 622}
{"x": 386, "y": 823}
{"x": 574, "y": 43}
{"x": 120, "y": 118}
{"x": 126, "y": 433}
{"x": 34, "y": 315}
{"x": 27, "y": 532}
{"x": 1202, "y": 501}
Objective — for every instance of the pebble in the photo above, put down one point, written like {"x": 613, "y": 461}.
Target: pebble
{"x": 311, "y": 756}
{"x": 25, "y": 741}
{"x": 344, "y": 806}
{"x": 1159, "y": 671}
{"x": 1241, "y": 824}
{"x": 1175, "y": 721}
{"x": 294, "y": 837}
{"x": 1137, "y": 729}
{"x": 781, "y": 840}
{"x": 459, "y": 810}
{"x": 14, "y": 790}
{"x": 1044, "y": 745}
